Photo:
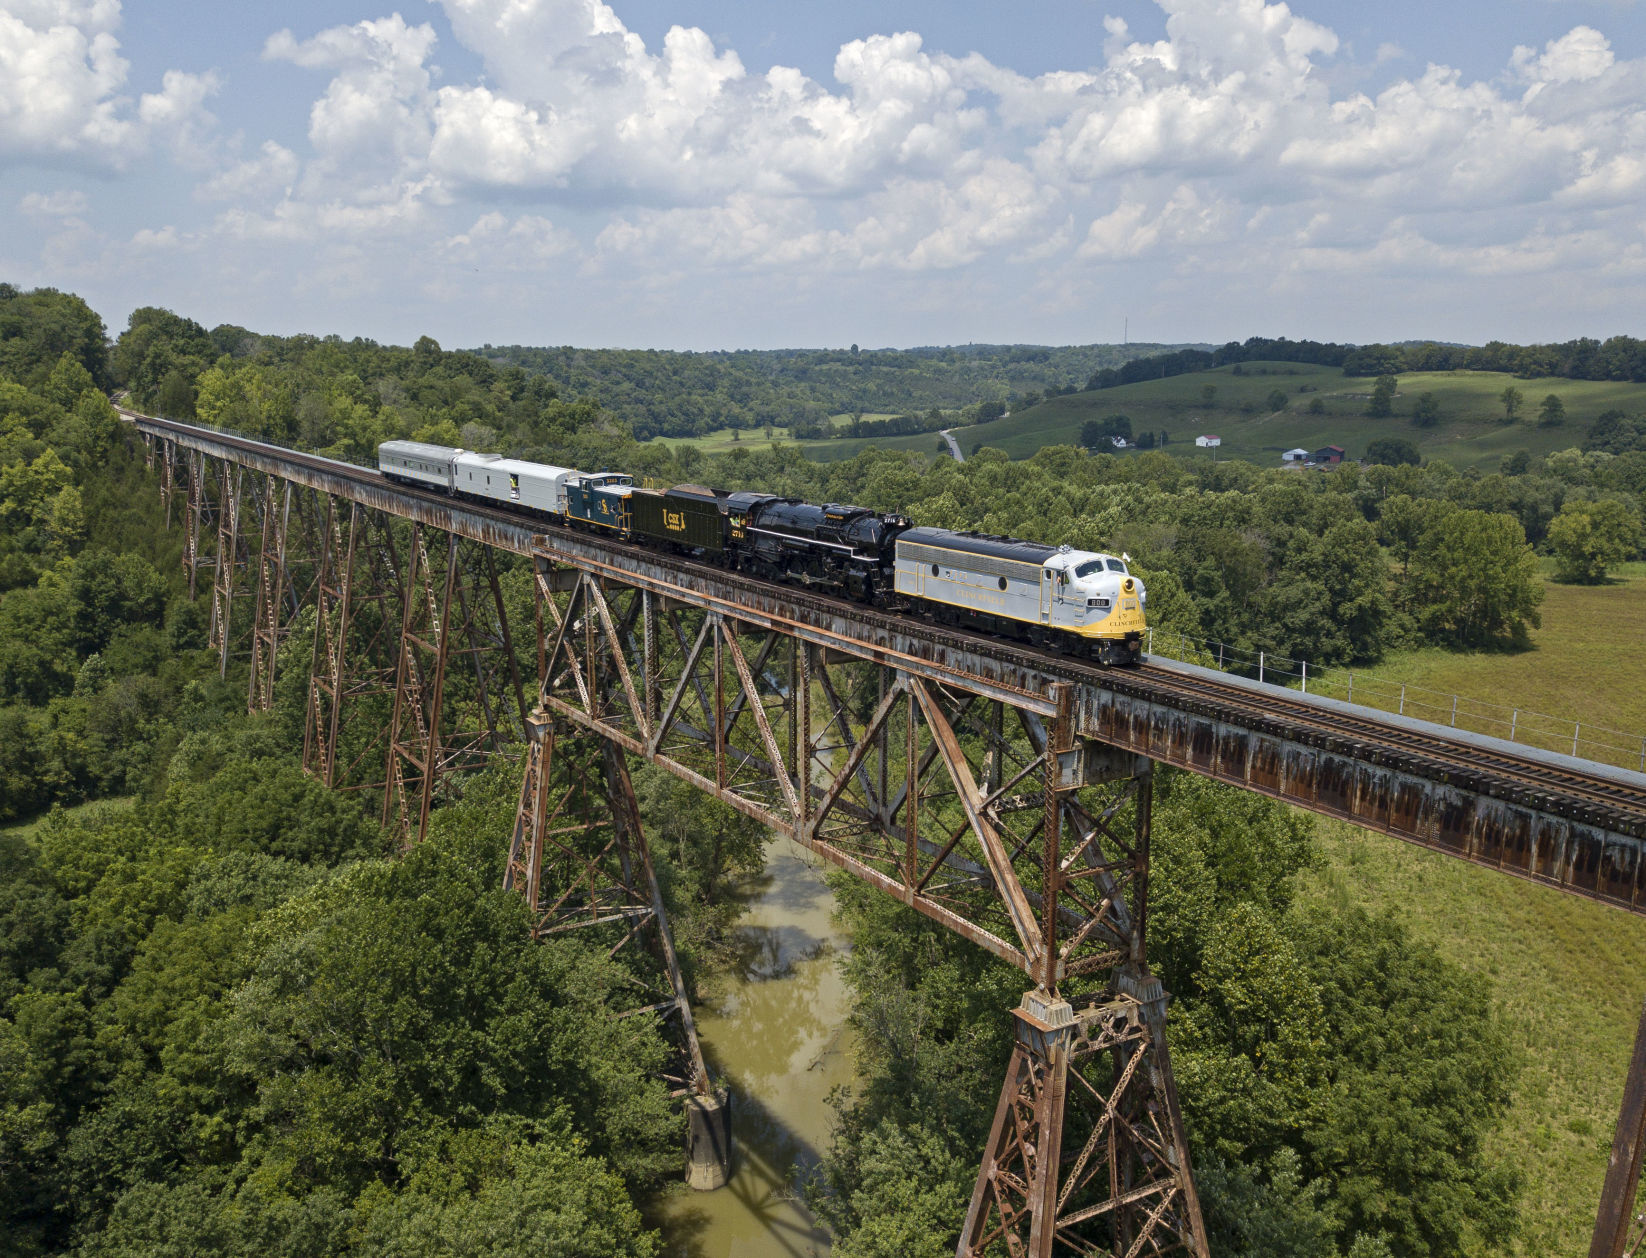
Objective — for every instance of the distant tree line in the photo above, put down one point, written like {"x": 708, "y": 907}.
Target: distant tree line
{"x": 933, "y": 420}
{"x": 1617, "y": 358}
{"x": 1182, "y": 362}
{"x": 676, "y": 394}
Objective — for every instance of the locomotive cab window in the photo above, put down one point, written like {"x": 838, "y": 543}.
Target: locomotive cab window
{"x": 1116, "y": 566}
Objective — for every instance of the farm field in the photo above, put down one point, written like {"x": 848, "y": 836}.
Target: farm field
{"x": 1568, "y": 975}
{"x": 1584, "y": 666}
{"x": 723, "y": 439}
{"x": 1469, "y": 434}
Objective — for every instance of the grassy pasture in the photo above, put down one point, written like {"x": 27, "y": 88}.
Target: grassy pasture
{"x": 1568, "y": 975}
{"x": 723, "y": 439}
{"x": 1585, "y": 665}
{"x": 1469, "y": 433}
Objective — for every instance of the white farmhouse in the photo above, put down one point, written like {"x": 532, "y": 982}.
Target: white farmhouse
{"x": 1294, "y": 456}
{"x": 1208, "y": 440}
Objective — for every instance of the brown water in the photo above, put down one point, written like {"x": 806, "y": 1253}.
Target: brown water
{"x": 774, "y": 1029}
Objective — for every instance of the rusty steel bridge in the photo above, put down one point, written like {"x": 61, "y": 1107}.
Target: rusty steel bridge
{"x": 1002, "y": 790}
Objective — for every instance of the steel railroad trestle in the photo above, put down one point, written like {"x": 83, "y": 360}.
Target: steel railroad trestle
{"x": 1002, "y": 791}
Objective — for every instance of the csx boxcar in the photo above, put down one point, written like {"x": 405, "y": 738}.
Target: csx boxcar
{"x": 688, "y": 519}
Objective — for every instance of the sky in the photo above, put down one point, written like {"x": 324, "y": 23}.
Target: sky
{"x": 702, "y": 174}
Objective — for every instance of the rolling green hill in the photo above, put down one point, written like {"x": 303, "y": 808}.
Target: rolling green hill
{"x": 1469, "y": 432}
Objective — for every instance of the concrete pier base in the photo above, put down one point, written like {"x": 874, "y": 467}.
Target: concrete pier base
{"x": 709, "y": 1140}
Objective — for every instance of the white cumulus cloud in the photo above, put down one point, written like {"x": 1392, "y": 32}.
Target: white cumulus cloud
{"x": 62, "y": 90}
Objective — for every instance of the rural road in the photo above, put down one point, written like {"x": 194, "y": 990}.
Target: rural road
{"x": 954, "y": 446}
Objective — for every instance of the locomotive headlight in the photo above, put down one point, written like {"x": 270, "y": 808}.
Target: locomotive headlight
{"x": 1127, "y": 586}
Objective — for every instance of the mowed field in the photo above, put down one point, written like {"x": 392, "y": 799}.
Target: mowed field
{"x": 723, "y": 439}
{"x": 1470, "y": 432}
{"x": 1568, "y": 975}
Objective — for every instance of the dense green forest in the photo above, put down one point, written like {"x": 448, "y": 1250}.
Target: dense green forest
{"x": 669, "y": 394}
{"x": 231, "y": 1020}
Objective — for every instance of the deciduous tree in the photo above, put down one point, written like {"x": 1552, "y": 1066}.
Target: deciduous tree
{"x": 1474, "y": 580}
{"x": 1381, "y": 405}
{"x": 1588, "y": 538}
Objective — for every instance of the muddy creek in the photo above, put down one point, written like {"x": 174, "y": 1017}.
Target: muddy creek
{"x": 774, "y": 1030}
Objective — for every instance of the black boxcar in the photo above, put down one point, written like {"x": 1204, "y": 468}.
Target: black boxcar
{"x": 687, "y": 517}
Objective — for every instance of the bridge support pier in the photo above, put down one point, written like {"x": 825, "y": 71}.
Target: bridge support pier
{"x": 580, "y": 859}
{"x": 1619, "y": 1230}
{"x": 358, "y": 592}
{"x": 1087, "y": 1148}
{"x": 231, "y": 566}
{"x": 708, "y": 1140}
{"x": 457, "y": 686}
{"x": 269, "y": 616}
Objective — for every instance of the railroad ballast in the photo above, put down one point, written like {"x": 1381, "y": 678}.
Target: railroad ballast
{"x": 1078, "y": 600}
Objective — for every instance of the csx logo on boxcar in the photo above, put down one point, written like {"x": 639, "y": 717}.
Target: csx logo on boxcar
{"x": 674, "y": 521}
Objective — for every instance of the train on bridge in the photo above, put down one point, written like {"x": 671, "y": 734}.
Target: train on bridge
{"x": 1085, "y": 602}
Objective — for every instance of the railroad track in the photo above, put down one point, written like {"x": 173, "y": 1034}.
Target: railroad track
{"x": 1618, "y": 793}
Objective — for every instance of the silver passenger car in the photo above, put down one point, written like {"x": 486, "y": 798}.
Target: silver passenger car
{"x": 418, "y": 463}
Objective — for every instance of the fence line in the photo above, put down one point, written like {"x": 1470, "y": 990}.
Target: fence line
{"x": 1530, "y": 728}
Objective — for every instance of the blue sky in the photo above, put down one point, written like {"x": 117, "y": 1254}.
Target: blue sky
{"x": 700, "y": 174}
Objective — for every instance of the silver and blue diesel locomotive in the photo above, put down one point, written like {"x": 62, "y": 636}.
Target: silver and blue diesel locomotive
{"x": 1082, "y": 601}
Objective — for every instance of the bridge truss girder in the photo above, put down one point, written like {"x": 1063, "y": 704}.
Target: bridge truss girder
{"x": 992, "y": 819}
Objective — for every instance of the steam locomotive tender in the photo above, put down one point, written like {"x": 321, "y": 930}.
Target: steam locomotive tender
{"x": 1085, "y": 602}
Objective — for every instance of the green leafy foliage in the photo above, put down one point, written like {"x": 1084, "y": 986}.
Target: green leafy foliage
{"x": 664, "y": 393}
{"x": 1381, "y": 404}
{"x": 1590, "y": 537}
{"x": 1474, "y": 580}
{"x": 38, "y": 328}
{"x": 1338, "y": 1079}
{"x": 1393, "y": 451}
